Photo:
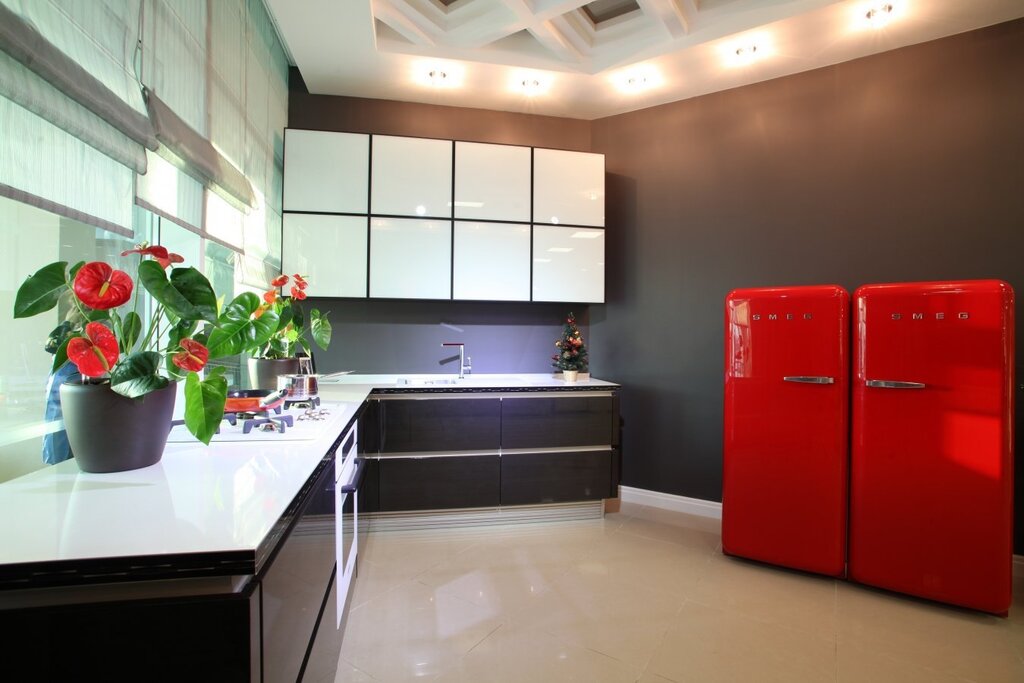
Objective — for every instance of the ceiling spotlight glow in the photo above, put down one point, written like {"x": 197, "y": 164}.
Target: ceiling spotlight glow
{"x": 637, "y": 79}
{"x": 877, "y": 14}
{"x": 529, "y": 83}
{"x": 432, "y": 74}
{"x": 746, "y": 50}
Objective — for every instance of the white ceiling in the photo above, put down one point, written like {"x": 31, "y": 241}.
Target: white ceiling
{"x": 661, "y": 51}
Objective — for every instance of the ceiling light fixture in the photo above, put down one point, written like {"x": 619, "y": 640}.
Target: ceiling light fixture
{"x": 879, "y": 15}
{"x": 746, "y": 49}
{"x": 637, "y": 79}
{"x": 439, "y": 75}
{"x": 528, "y": 82}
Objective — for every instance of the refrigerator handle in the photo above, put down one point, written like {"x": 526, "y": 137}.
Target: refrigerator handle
{"x": 890, "y": 384}
{"x": 802, "y": 379}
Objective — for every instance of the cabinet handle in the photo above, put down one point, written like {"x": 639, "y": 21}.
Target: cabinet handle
{"x": 804, "y": 379}
{"x": 891, "y": 384}
{"x": 357, "y": 477}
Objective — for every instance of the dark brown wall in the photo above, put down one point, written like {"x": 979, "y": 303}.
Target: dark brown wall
{"x": 387, "y": 117}
{"x": 908, "y": 165}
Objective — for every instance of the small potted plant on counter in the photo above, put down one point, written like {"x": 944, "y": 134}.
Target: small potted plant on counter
{"x": 571, "y": 358}
{"x": 118, "y": 415}
{"x": 280, "y": 331}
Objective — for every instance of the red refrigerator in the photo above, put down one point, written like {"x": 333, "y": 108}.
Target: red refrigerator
{"x": 784, "y": 483}
{"x": 931, "y": 490}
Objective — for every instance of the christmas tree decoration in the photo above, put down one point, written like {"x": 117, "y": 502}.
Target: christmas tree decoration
{"x": 572, "y": 352}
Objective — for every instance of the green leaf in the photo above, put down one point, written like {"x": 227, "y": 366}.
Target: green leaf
{"x": 74, "y": 270}
{"x": 237, "y": 331}
{"x": 41, "y": 291}
{"x": 187, "y": 295}
{"x": 96, "y": 316}
{"x": 131, "y": 330}
{"x": 320, "y": 328}
{"x": 61, "y": 356}
{"x": 136, "y": 374}
{"x": 298, "y": 319}
{"x": 204, "y": 403}
{"x": 194, "y": 286}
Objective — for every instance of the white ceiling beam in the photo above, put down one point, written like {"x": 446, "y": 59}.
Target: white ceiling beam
{"x": 552, "y": 38}
{"x": 404, "y": 25}
{"x": 672, "y": 15}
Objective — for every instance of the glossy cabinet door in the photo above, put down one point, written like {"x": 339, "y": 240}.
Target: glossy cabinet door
{"x": 410, "y": 259}
{"x": 441, "y": 425}
{"x": 326, "y": 171}
{"x": 439, "y": 482}
{"x": 411, "y": 177}
{"x": 492, "y": 182}
{"x": 558, "y": 422}
{"x": 492, "y": 262}
{"x": 556, "y": 477}
{"x": 568, "y": 187}
{"x": 568, "y": 264}
{"x": 329, "y": 251}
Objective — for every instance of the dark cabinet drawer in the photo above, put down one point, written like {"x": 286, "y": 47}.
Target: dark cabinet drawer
{"x": 443, "y": 425}
{"x": 559, "y": 477}
{"x": 439, "y": 482}
{"x": 369, "y": 428}
{"x": 539, "y": 422}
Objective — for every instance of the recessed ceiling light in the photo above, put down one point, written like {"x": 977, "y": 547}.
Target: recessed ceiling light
{"x": 746, "y": 50}
{"x": 879, "y": 15}
{"x": 637, "y": 79}
{"x": 437, "y": 77}
{"x": 529, "y": 83}
{"x": 440, "y": 75}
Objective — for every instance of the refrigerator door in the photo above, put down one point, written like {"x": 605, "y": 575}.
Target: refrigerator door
{"x": 784, "y": 488}
{"x": 931, "y": 466}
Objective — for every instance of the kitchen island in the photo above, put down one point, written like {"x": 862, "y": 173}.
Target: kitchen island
{"x": 217, "y": 562}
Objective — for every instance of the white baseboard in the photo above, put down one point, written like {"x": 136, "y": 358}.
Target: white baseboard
{"x": 709, "y": 508}
{"x": 669, "y": 501}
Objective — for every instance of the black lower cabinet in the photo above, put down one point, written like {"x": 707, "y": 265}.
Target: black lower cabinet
{"x": 430, "y": 483}
{"x": 557, "y": 477}
{"x": 559, "y": 421}
{"x": 440, "y": 424}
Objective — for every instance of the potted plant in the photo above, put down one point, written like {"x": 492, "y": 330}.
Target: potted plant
{"x": 572, "y": 352}
{"x": 271, "y": 331}
{"x": 118, "y": 414}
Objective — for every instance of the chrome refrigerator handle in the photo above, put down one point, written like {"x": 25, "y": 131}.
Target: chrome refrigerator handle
{"x": 802, "y": 379}
{"x": 890, "y": 384}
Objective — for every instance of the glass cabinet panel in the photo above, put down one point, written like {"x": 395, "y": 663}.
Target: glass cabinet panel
{"x": 568, "y": 187}
{"x": 325, "y": 171}
{"x": 411, "y": 177}
{"x": 492, "y": 182}
{"x": 410, "y": 259}
{"x": 329, "y": 251}
{"x": 492, "y": 261}
{"x": 568, "y": 264}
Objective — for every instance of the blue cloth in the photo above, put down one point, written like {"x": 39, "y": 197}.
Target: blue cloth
{"x": 55, "y": 444}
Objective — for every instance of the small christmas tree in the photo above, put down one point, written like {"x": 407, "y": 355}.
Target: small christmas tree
{"x": 572, "y": 353}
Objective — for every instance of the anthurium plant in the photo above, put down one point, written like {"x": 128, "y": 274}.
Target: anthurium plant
{"x": 272, "y": 327}
{"x": 105, "y": 337}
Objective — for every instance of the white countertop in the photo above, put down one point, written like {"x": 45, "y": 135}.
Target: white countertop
{"x": 197, "y": 499}
{"x": 441, "y": 382}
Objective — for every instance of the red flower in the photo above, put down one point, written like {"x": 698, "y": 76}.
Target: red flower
{"x": 271, "y": 296}
{"x": 280, "y": 281}
{"x": 95, "y": 353}
{"x": 159, "y": 254}
{"x": 300, "y": 281}
{"x": 101, "y": 287}
{"x": 192, "y": 357}
{"x": 298, "y": 293}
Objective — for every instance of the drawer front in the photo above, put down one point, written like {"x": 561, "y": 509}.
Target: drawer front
{"x": 440, "y": 425}
{"x": 560, "y": 477}
{"x": 569, "y": 421}
{"x": 433, "y": 483}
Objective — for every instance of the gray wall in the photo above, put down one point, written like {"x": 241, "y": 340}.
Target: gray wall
{"x": 908, "y": 165}
{"x": 903, "y": 166}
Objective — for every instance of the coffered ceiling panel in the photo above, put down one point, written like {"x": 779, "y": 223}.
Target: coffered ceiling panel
{"x": 592, "y": 58}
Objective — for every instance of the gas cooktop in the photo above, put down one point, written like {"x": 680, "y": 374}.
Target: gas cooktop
{"x": 296, "y": 423}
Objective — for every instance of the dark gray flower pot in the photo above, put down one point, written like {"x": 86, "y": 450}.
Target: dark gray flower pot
{"x": 111, "y": 433}
{"x": 263, "y": 372}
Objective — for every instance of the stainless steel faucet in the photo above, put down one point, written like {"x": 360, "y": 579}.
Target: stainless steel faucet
{"x": 465, "y": 362}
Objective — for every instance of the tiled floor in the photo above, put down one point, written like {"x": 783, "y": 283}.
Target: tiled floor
{"x": 644, "y": 595}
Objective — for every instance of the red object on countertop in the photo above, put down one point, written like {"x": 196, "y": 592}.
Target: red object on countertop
{"x": 931, "y": 508}
{"x": 784, "y": 493}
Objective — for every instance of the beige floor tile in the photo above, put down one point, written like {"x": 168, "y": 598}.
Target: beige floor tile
{"x": 857, "y": 665}
{"x": 696, "y": 522}
{"x": 413, "y": 552}
{"x": 413, "y": 632}
{"x": 648, "y": 677}
{"x": 954, "y": 641}
{"x": 654, "y": 564}
{"x": 375, "y": 580}
{"x": 517, "y": 655}
{"x": 800, "y": 601}
{"x": 691, "y": 535}
{"x": 348, "y": 674}
{"x": 708, "y": 645}
{"x": 623, "y": 621}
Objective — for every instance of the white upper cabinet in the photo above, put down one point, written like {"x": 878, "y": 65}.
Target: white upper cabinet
{"x": 492, "y": 261}
{"x": 325, "y": 171}
{"x": 492, "y": 182}
{"x": 568, "y": 187}
{"x": 411, "y": 177}
{"x": 410, "y": 259}
{"x": 568, "y": 264}
{"x": 329, "y": 251}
